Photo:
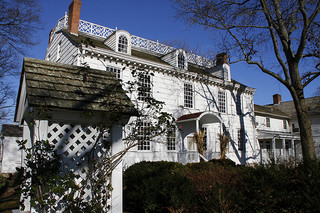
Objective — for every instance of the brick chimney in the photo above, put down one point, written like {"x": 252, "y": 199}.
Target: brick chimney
{"x": 74, "y": 16}
{"x": 276, "y": 99}
{"x": 221, "y": 58}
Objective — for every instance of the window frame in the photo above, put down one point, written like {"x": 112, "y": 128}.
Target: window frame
{"x": 238, "y": 105}
{"x": 222, "y": 101}
{"x": 181, "y": 60}
{"x": 59, "y": 50}
{"x": 115, "y": 70}
{"x": 268, "y": 122}
{"x": 171, "y": 138}
{"x": 144, "y": 86}
{"x": 188, "y": 95}
{"x": 143, "y": 134}
{"x": 285, "y": 126}
{"x": 123, "y": 44}
{"x": 241, "y": 139}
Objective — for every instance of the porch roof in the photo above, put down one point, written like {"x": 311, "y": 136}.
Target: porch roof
{"x": 60, "y": 86}
{"x": 209, "y": 117}
{"x": 265, "y": 134}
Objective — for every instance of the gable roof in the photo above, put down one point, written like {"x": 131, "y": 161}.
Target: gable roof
{"x": 313, "y": 105}
{"x": 61, "y": 86}
{"x": 287, "y": 109}
{"x": 269, "y": 111}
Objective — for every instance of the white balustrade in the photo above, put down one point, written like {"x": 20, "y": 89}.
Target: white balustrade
{"x": 136, "y": 41}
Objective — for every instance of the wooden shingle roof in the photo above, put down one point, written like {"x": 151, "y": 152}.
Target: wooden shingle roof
{"x": 61, "y": 86}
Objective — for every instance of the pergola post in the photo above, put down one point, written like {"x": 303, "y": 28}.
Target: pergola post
{"x": 116, "y": 177}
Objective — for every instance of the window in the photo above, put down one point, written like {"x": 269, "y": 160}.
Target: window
{"x": 238, "y": 104}
{"x": 205, "y": 138}
{"x": 222, "y": 101}
{"x": 171, "y": 138}
{"x": 268, "y": 147}
{"x": 240, "y": 135}
{"x": 181, "y": 60}
{"x": 143, "y": 135}
{"x": 144, "y": 86}
{"x": 59, "y": 51}
{"x": 123, "y": 44}
{"x": 115, "y": 70}
{"x": 285, "y": 124}
{"x": 188, "y": 95}
{"x": 267, "y": 122}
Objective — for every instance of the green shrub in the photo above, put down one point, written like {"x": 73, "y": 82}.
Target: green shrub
{"x": 223, "y": 162}
{"x": 216, "y": 187}
{"x": 156, "y": 187}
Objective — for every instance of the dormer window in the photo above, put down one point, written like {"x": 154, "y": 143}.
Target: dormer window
{"x": 123, "y": 44}
{"x": 181, "y": 60}
{"x": 119, "y": 41}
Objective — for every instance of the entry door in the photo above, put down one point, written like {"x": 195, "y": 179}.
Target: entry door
{"x": 191, "y": 146}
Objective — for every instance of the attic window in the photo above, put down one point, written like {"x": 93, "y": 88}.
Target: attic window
{"x": 123, "y": 44}
{"x": 181, "y": 60}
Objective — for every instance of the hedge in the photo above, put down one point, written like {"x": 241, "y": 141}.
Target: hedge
{"x": 221, "y": 187}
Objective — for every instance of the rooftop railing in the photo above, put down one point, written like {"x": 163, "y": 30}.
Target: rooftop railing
{"x": 136, "y": 41}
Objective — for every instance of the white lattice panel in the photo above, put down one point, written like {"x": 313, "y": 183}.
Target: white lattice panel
{"x": 74, "y": 143}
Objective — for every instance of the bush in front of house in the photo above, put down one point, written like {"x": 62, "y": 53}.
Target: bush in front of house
{"x": 215, "y": 187}
{"x": 281, "y": 188}
{"x": 156, "y": 187}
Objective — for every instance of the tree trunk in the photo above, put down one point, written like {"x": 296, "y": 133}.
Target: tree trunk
{"x": 307, "y": 144}
{"x": 306, "y": 138}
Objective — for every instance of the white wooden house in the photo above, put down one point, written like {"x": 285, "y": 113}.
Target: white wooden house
{"x": 278, "y": 129}
{"x": 198, "y": 92}
{"x": 187, "y": 83}
{"x": 277, "y": 140}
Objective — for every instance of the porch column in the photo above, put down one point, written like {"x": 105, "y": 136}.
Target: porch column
{"x": 283, "y": 148}
{"x": 197, "y": 126}
{"x": 292, "y": 148}
{"x": 116, "y": 176}
{"x": 274, "y": 148}
{"x": 261, "y": 151}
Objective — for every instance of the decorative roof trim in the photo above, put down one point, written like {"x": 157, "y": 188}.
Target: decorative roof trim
{"x": 135, "y": 62}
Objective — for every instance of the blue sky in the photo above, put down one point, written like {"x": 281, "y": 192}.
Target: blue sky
{"x": 154, "y": 19}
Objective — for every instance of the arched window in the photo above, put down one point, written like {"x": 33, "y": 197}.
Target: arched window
{"x": 123, "y": 44}
{"x": 181, "y": 60}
